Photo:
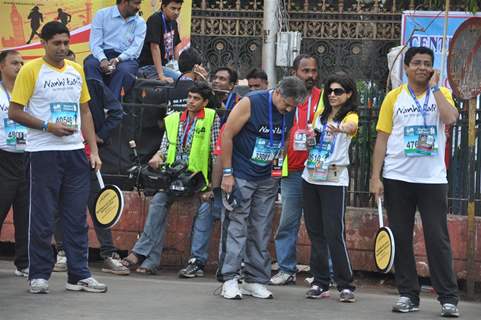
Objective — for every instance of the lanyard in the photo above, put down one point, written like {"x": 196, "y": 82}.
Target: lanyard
{"x": 171, "y": 25}
{"x": 424, "y": 109}
{"x": 229, "y": 100}
{"x": 6, "y": 91}
{"x": 271, "y": 129}
{"x": 308, "y": 116}
{"x": 187, "y": 130}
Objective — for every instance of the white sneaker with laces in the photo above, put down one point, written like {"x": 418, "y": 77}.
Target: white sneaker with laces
{"x": 230, "y": 290}
{"x": 61, "y": 264}
{"x": 283, "y": 278}
{"x": 256, "y": 290}
{"x": 38, "y": 286}
{"x": 88, "y": 285}
{"x": 21, "y": 272}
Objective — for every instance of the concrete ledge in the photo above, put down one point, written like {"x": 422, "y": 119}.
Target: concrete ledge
{"x": 361, "y": 226}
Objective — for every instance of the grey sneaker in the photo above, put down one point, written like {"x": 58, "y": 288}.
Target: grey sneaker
{"x": 283, "y": 278}
{"x": 449, "y": 310}
{"x": 405, "y": 304}
{"x": 114, "y": 265}
{"x": 87, "y": 284}
{"x": 347, "y": 295}
{"x": 192, "y": 269}
{"x": 61, "y": 264}
{"x": 21, "y": 272}
{"x": 316, "y": 292}
{"x": 38, "y": 286}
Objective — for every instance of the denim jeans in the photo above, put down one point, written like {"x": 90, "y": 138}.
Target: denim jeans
{"x": 149, "y": 72}
{"x": 286, "y": 236}
{"x": 207, "y": 213}
{"x": 150, "y": 243}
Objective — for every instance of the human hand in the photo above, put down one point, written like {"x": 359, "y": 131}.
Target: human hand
{"x": 156, "y": 161}
{"x": 95, "y": 161}
{"x": 60, "y": 129}
{"x": 228, "y": 183}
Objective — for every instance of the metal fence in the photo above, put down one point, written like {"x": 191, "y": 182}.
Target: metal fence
{"x": 457, "y": 156}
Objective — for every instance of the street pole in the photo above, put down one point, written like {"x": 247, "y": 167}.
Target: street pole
{"x": 270, "y": 28}
{"x": 471, "y": 226}
{"x": 445, "y": 42}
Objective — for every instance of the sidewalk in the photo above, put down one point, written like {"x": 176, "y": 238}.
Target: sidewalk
{"x": 165, "y": 297}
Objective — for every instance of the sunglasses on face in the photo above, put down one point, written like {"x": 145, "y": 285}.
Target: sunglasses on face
{"x": 337, "y": 91}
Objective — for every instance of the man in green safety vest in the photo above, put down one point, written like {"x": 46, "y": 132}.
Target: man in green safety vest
{"x": 189, "y": 136}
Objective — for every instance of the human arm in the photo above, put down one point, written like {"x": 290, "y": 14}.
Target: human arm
{"x": 157, "y": 58}
{"x": 376, "y": 186}
{"x": 96, "y": 37}
{"x": 447, "y": 111}
{"x": 158, "y": 158}
{"x": 17, "y": 113}
{"x": 88, "y": 132}
{"x": 238, "y": 117}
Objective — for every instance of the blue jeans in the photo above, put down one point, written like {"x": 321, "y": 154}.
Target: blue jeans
{"x": 122, "y": 77}
{"x": 149, "y": 72}
{"x": 286, "y": 236}
{"x": 151, "y": 241}
{"x": 207, "y": 213}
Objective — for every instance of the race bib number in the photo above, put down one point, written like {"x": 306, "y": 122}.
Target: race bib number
{"x": 420, "y": 141}
{"x": 15, "y": 135}
{"x": 66, "y": 113}
{"x": 263, "y": 154}
{"x": 300, "y": 140}
{"x": 317, "y": 165}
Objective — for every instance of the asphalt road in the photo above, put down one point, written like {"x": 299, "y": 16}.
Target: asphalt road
{"x": 164, "y": 296}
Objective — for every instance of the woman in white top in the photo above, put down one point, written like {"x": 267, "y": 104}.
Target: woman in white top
{"x": 325, "y": 182}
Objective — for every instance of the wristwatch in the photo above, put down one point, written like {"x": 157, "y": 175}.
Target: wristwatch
{"x": 227, "y": 171}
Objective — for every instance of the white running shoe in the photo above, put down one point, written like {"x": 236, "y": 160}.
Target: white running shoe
{"x": 230, "y": 290}
{"x": 61, "y": 264}
{"x": 256, "y": 290}
{"x": 38, "y": 286}
{"x": 21, "y": 272}
{"x": 283, "y": 278}
{"x": 87, "y": 284}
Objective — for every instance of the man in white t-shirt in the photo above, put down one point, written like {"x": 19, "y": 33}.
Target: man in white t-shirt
{"x": 411, "y": 142}
{"x": 54, "y": 92}
{"x": 12, "y": 162}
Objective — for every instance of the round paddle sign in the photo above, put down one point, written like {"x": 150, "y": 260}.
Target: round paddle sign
{"x": 109, "y": 205}
{"x": 384, "y": 249}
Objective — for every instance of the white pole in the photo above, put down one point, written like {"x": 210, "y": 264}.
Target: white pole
{"x": 270, "y": 28}
{"x": 445, "y": 40}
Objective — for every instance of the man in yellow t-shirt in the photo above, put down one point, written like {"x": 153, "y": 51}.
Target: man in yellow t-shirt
{"x": 54, "y": 93}
{"x": 411, "y": 142}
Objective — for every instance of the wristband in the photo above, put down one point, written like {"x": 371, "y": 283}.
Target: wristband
{"x": 435, "y": 89}
{"x": 44, "y": 126}
{"x": 227, "y": 171}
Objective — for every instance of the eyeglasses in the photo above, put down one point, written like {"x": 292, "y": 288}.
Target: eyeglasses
{"x": 337, "y": 91}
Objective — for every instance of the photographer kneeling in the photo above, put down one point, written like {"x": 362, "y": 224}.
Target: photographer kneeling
{"x": 189, "y": 138}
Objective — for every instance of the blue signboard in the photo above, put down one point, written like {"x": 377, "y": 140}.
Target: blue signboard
{"x": 426, "y": 28}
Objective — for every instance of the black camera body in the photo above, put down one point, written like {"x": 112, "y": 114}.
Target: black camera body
{"x": 174, "y": 179}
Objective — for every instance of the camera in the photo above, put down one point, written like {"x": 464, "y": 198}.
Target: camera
{"x": 174, "y": 179}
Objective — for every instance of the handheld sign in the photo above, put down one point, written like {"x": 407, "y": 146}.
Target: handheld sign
{"x": 109, "y": 204}
{"x": 384, "y": 247}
